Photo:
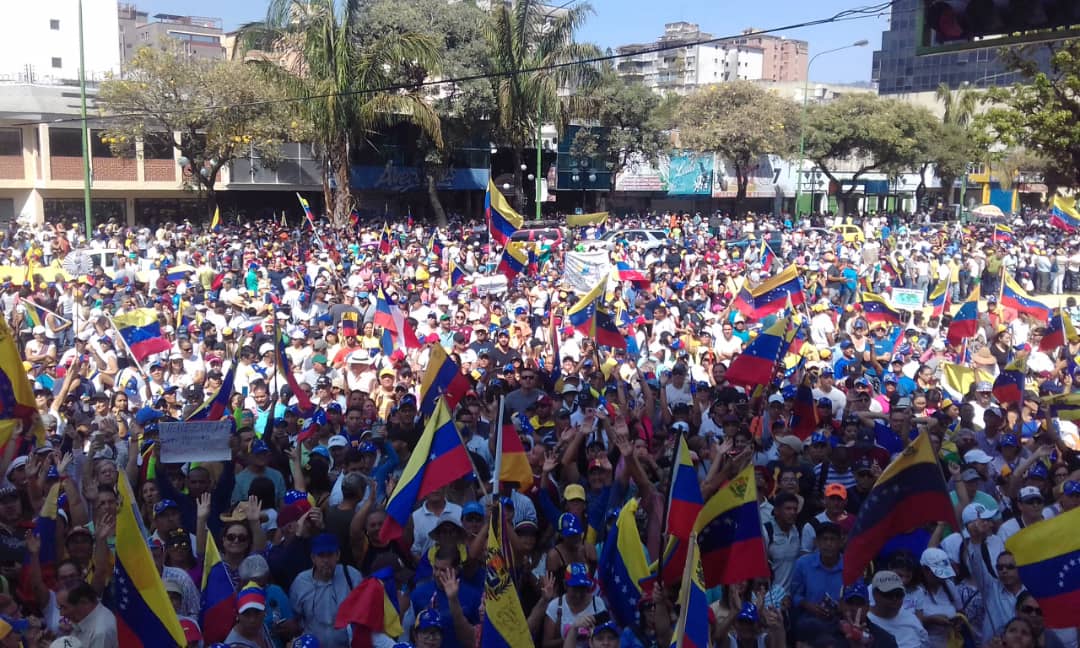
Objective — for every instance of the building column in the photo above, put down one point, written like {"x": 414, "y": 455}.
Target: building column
{"x": 44, "y": 153}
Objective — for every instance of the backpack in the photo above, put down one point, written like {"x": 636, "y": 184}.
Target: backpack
{"x": 770, "y": 531}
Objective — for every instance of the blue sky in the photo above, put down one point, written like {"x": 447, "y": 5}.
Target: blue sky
{"x": 617, "y": 22}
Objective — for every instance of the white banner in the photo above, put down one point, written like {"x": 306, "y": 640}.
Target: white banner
{"x": 195, "y": 441}
{"x": 584, "y": 269}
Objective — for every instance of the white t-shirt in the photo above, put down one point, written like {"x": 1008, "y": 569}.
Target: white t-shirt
{"x": 559, "y": 612}
{"x": 905, "y": 627}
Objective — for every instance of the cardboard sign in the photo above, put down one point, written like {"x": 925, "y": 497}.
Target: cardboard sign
{"x": 907, "y": 298}
{"x": 195, "y": 441}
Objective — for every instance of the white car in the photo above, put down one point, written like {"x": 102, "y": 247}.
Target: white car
{"x": 645, "y": 239}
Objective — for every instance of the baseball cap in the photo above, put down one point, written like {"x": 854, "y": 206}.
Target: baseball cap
{"x": 937, "y": 561}
{"x": 976, "y": 511}
{"x": 165, "y": 505}
{"x": 324, "y": 543}
{"x": 1030, "y": 493}
{"x": 569, "y": 525}
{"x": 1009, "y": 440}
{"x": 824, "y": 402}
{"x": 977, "y": 456}
{"x": 472, "y": 508}
{"x": 258, "y": 446}
{"x": 452, "y": 518}
{"x": 856, "y": 590}
{"x": 429, "y": 619}
{"x": 983, "y": 386}
{"x": 173, "y": 587}
{"x": 836, "y": 490}
{"x": 251, "y": 597}
{"x": 608, "y": 626}
{"x": 970, "y": 474}
{"x": 574, "y": 492}
{"x": 791, "y": 441}
{"x": 1038, "y": 471}
{"x": 1071, "y": 487}
{"x": 887, "y": 581}
{"x": 577, "y": 575}
{"x": 337, "y": 441}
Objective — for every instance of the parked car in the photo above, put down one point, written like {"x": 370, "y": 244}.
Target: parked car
{"x": 646, "y": 239}
{"x": 549, "y": 235}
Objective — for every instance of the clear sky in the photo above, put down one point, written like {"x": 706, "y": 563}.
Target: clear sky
{"x": 617, "y": 22}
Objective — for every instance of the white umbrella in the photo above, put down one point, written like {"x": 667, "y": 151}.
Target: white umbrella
{"x": 988, "y": 210}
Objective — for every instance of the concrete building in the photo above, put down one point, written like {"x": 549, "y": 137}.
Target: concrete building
{"x": 681, "y": 69}
{"x": 197, "y": 36}
{"x": 39, "y": 42}
{"x": 783, "y": 59}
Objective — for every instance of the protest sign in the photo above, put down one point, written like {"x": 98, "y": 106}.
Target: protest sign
{"x": 195, "y": 441}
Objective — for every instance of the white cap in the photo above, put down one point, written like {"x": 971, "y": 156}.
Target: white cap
{"x": 976, "y": 511}
{"x": 337, "y": 441}
{"x": 977, "y": 456}
{"x": 85, "y": 336}
{"x": 1028, "y": 492}
{"x": 937, "y": 561}
{"x": 39, "y": 330}
{"x": 776, "y": 398}
{"x": 265, "y": 348}
{"x": 453, "y": 517}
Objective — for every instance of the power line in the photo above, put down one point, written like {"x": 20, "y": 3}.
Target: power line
{"x": 858, "y": 13}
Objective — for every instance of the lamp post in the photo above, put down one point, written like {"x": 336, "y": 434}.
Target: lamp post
{"x": 580, "y": 178}
{"x": 802, "y": 124}
{"x": 88, "y": 217}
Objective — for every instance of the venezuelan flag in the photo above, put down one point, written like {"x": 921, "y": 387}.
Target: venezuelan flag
{"x": 217, "y": 406}
{"x": 504, "y": 621}
{"x": 585, "y": 220}
{"x": 910, "y": 493}
{"x": 502, "y": 220}
{"x": 307, "y": 210}
{"x": 684, "y": 504}
{"x": 144, "y": 615}
{"x": 804, "y": 416}
{"x": 965, "y": 322}
{"x": 626, "y": 273}
{"x": 1064, "y": 215}
{"x": 442, "y": 378}
{"x": 384, "y": 317}
{"x": 384, "y": 239}
{"x": 1047, "y": 555}
{"x": 756, "y": 365}
{"x": 438, "y": 459}
{"x": 767, "y": 256}
{"x": 215, "y": 222}
{"x": 1014, "y": 296}
{"x": 692, "y": 629}
{"x": 17, "y": 408}
{"x": 457, "y": 275}
{"x": 744, "y": 302}
{"x": 514, "y": 261}
{"x": 877, "y": 309}
{"x": 35, "y": 314}
{"x": 776, "y": 293}
{"x": 218, "y": 610}
{"x": 623, "y": 570}
{"x": 1009, "y": 385}
{"x": 142, "y": 332}
{"x": 1058, "y": 331}
{"x": 45, "y": 528}
{"x": 1002, "y": 233}
{"x": 349, "y": 320}
{"x": 371, "y": 607}
{"x": 435, "y": 246}
{"x": 282, "y": 365}
{"x": 729, "y": 533}
{"x": 1064, "y": 406}
{"x": 939, "y": 298}
{"x": 511, "y": 460}
{"x": 588, "y": 316}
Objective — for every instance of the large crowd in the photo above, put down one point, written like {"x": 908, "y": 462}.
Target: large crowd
{"x": 298, "y": 513}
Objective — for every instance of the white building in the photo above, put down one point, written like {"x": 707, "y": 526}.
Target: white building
{"x": 39, "y": 41}
{"x": 681, "y": 69}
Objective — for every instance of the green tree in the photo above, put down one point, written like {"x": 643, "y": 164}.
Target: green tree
{"x": 319, "y": 53}
{"x": 1042, "y": 113}
{"x": 457, "y": 31}
{"x": 528, "y": 45}
{"x": 863, "y": 133}
{"x": 960, "y": 140}
{"x": 741, "y": 121}
{"x": 211, "y": 111}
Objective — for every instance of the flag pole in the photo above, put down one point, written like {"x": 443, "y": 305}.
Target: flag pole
{"x": 497, "y": 470}
{"x": 54, "y": 314}
{"x": 131, "y": 353}
{"x": 684, "y": 595}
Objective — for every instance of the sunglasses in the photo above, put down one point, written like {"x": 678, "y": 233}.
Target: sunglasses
{"x": 232, "y": 537}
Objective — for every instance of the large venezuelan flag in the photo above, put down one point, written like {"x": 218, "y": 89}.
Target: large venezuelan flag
{"x": 514, "y": 261}
{"x": 1064, "y": 215}
{"x": 729, "y": 532}
{"x": 218, "y": 611}
{"x": 1014, "y": 296}
{"x": 443, "y": 378}
{"x": 911, "y": 492}
{"x": 966, "y": 321}
{"x": 504, "y": 620}
{"x": 939, "y": 298}
{"x": 588, "y": 316}
{"x": 369, "y": 608}
{"x": 877, "y": 309}
{"x": 1009, "y": 385}
{"x": 756, "y": 365}
{"x": 623, "y": 569}
{"x": 144, "y": 615}
{"x": 692, "y": 629}
{"x": 772, "y": 295}
{"x": 17, "y": 407}
{"x": 1059, "y": 331}
{"x": 142, "y": 332}
{"x": 438, "y": 459}
{"x": 503, "y": 221}
{"x": 684, "y": 503}
{"x": 1048, "y": 556}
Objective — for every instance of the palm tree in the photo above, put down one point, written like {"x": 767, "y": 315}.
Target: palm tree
{"x": 960, "y": 106}
{"x": 527, "y": 43}
{"x": 316, "y": 51}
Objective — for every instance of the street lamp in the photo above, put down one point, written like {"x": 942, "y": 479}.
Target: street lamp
{"x": 802, "y": 125}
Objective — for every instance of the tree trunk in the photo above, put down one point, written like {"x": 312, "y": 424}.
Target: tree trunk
{"x": 433, "y": 198}
{"x": 211, "y": 201}
{"x": 741, "y": 180}
{"x": 519, "y": 184}
{"x": 337, "y": 157}
{"x": 920, "y": 191}
{"x": 947, "y": 190}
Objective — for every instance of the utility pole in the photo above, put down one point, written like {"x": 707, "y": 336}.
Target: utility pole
{"x": 89, "y": 218}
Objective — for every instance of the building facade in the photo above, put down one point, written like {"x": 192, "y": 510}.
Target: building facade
{"x": 783, "y": 59}
{"x": 39, "y": 42}
{"x": 197, "y": 36}
{"x": 690, "y": 63}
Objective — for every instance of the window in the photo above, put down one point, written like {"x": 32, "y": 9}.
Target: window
{"x": 10, "y": 141}
{"x": 57, "y": 62}
{"x": 158, "y": 146}
{"x": 65, "y": 142}
{"x": 54, "y": 25}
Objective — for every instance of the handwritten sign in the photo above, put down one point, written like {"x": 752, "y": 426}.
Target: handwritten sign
{"x": 908, "y": 299}
{"x": 195, "y": 441}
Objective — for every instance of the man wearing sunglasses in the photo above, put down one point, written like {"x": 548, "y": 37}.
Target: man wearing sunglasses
{"x": 888, "y": 612}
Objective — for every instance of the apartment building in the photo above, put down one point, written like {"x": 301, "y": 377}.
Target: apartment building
{"x": 197, "y": 36}
{"x": 39, "y": 42}
{"x": 689, "y": 62}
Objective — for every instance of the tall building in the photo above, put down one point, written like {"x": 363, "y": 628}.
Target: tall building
{"x": 897, "y": 69}
{"x": 198, "y": 36}
{"x": 690, "y": 62}
{"x": 39, "y": 42}
{"x": 784, "y": 59}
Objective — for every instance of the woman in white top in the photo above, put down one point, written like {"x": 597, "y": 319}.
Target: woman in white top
{"x": 936, "y": 602}
{"x": 578, "y": 602}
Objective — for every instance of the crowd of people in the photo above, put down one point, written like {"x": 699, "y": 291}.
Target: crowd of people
{"x": 296, "y": 512}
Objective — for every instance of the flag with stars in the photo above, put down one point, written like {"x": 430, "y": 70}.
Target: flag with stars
{"x": 18, "y": 410}
{"x": 910, "y": 493}
{"x": 144, "y": 615}
{"x": 439, "y": 459}
{"x": 756, "y": 365}
{"x": 729, "y": 533}
{"x": 692, "y": 628}
{"x": 1048, "y": 557}
{"x": 773, "y": 294}
{"x": 624, "y": 570}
